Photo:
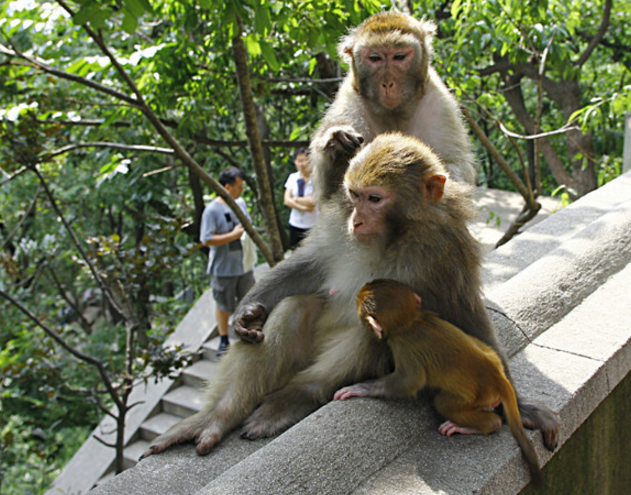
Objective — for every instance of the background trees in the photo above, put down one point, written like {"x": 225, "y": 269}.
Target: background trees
{"x": 115, "y": 116}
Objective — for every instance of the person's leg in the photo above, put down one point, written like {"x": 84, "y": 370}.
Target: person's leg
{"x": 224, "y": 294}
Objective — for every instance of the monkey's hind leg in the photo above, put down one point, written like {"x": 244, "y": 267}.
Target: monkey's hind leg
{"x": 246, "y": 374}
{"x": 465, "y": 418}
{"x": 348, "y": 357}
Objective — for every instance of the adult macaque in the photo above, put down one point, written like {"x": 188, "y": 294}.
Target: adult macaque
{"x": 429, "y": 351}
{"x": 398, "y": 217}
{"x": 390, "y": 87}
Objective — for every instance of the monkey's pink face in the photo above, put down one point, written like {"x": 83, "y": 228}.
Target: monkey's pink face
{"x": 370, "y": 204}
{"x": 389, "y": 67}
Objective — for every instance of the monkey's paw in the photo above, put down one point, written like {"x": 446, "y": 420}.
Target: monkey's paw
{"x": 342, "y": 141}
{"x": 248, "y": 324}
{"x": 448, "y": 428}
{"x": 258, "y": 426}
{"x": 197, "y": 428}
{"x": 357, "y": 390}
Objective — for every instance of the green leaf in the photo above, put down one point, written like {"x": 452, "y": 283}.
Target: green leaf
{"x": 252, "y": 45}
{"x": 85, "y": 13}
{"x": 135, "y": 7}
{"x": 269, "y": 56}
{"x": 130, "y": 22}
{"x": 262, "y": 21}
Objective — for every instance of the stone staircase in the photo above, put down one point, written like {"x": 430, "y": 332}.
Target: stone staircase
{"x": 185, "y": 398}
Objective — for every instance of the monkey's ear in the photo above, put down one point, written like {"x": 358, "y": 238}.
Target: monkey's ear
{"x": 434, "y": 187}
{"x": 345, "y": 48}
{"x": 419, "y": 301}
{"x": 376, "y": 326}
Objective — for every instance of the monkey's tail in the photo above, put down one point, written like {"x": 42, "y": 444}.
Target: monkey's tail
{"x": 511, "y": 411}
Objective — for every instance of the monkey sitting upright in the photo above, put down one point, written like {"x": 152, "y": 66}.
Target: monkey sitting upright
{"x": 430, "y": 351}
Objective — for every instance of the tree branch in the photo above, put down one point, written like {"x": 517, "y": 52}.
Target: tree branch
{"x": 186, "y": 158}
{"x": 604, "y": 24}
{"x": 76, "y": 242}
{"x": 78, "y": 354}
{"x": 256, "y": 149}
{"x": 103, "y": 144}
{"x": 36, "y": 63}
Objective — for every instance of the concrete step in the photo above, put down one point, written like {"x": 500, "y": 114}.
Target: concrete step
{"x": 198, "y": 374}
{"x": 209, "y": 349}
{"x": 133, "y": 451}
{"x": 157, "y": 425}
{"x": 183, "y": 401}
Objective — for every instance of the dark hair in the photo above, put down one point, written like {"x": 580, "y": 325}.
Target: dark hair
{"x": 301, "y": 151}
{"x": 229, "y": 176}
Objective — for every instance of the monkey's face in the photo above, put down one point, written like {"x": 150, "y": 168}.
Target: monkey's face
{"x": 368, "y": 220}
{"x": 387, "y": 74}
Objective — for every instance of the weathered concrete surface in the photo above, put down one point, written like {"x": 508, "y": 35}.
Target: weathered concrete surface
{"x": 596, "y": 455}
{"x": 546, "y": 289}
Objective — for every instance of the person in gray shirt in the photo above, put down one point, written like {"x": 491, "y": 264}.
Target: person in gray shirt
{"x": 221, "y": 231}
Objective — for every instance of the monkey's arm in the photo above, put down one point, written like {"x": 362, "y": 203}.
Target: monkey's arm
{"x": 300, "y": 274}
{"x": 393, "y": 386}
{"x": 331, "y": 150}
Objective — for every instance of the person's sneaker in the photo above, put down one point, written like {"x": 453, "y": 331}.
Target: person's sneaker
{"x": 223, "y": 348}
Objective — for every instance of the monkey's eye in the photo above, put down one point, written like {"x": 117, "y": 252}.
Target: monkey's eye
{"x": 400, "y": 56}
{"x": 374, "y": 198}
{"x": 352, "y": 194}
{"x": 373, "y": 57}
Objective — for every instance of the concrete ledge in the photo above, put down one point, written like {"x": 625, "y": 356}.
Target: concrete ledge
{"x": 562, "y": 303}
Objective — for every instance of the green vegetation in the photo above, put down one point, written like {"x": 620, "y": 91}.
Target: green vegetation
{"x": 106, "y": 109}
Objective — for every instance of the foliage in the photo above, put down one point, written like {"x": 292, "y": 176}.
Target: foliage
{"x": 491, "y": 53}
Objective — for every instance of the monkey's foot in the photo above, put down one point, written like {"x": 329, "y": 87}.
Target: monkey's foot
{"x": 535, "y": 414}
{"x": 357, "y": 390}
{"x": 262, "y": 425}
{"x": 448, "y": 428}
{"x": 279, "y": 411}
{"x": 198, "y": 428}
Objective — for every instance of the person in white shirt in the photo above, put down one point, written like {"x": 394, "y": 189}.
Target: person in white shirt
{"x": 299, "y": 197}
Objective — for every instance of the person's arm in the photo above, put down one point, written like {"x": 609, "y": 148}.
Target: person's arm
{"x": 221, "y": 239}
{"x": 308, "y": 203}
{"x": 298, "y": 203}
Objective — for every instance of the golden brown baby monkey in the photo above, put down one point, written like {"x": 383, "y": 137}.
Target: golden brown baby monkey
{"x": 429, "y": 351}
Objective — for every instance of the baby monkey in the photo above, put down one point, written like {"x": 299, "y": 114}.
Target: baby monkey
{"x": 429, "y": 351}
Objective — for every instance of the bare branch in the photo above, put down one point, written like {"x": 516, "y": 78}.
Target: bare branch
{"x": 104, "y": 144}
{"x": 604, "y": 24}
{"x": 10, "y": 177}
{"x": 78, "y": 354}
{"x": 37, "y": 63}
{"x": 519, "y": 184}
{"x": 76, "y": 242}
{"x": 527, "y": 214}
{"x": 571, "y": 126}
{"x": 8, "y": 238}
{"x": 107, "y": 444}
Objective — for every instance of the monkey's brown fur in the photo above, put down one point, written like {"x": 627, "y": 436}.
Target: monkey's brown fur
{"x": 429, "y": 351}
{"x": 398, "y": 217}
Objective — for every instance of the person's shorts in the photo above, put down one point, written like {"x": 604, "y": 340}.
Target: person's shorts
{"x": 228, "y": 291}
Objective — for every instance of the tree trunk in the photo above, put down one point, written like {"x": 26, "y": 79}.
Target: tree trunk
{"x": 266, "y": 197}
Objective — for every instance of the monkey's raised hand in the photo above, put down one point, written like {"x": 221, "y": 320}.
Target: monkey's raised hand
{"x": 248, "y": 323}
{"x": 342, "y": 141}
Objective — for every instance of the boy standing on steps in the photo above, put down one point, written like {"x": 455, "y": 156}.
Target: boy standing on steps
{"x": 221, "y": 231}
